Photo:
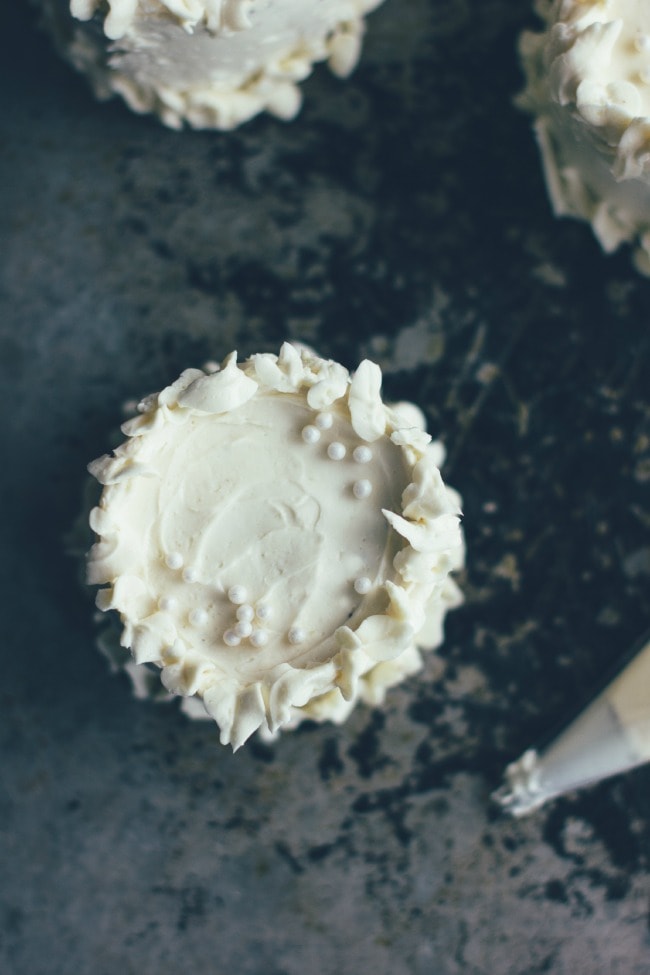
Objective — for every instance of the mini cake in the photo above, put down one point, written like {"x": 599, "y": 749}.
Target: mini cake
{"x": 276, "y": 540}
{"x": 210, "y": 63}
{"x": 588, "y": 84}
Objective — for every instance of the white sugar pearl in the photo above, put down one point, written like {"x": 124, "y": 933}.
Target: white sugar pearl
{"x": 189, "y": 575}
{"x": 237, "y": 595}
{"x": 642, "y": 43}
{"x": 362, "y": 585}
{"x": 310, "y": 434}
{"x": 296, "y": 635}
{"x": 259, "y": 638}
{"x": 263, "y": 611}
{"x": 324, "y": 421}
{"x": 362, "y": 489}
{"x": 245, "y": 613}
{"x": 336, "y": 451}
{"x": 362, "y": 454}
{"x": 167, "y": 603}
{"x": 174, "y": 560}
{"x": 231, "y": 639}
{"x": 243, "y": 629}
{"x": 644, "y": 75}
{"x": 198, "y": 617}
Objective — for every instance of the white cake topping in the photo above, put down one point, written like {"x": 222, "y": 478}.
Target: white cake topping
{"x": 307, "y": 592}
{"x": 210, "y": 63}
{"x": 588, "y": 77}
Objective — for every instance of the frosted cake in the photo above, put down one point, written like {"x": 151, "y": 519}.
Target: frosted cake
{"x": 588, "y": 86}
{"x": 275, "y": 541}
{"x": 208, "y": 63}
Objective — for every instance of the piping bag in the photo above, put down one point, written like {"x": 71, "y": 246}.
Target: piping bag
{"x": 611, "y": 735}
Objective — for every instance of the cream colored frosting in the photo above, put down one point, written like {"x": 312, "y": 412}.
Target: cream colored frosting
{"x": 276, "y": 539}
{"x": 210, "y": 63}
{"x": 588, "y": 84}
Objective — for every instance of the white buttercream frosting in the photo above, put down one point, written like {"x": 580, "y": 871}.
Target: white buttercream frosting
{"x": 263, "y": 573}
{"x": 588, "y": 84}
{"x": 209, "y": 63}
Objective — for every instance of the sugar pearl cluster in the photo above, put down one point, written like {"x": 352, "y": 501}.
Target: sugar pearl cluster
{"x": 361, "y": 488}
{"x": 337, "y": 451}
{"x": 249, "y": 620}
{"x": 312, "y": 432}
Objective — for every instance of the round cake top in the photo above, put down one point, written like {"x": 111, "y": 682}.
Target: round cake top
{"x": 271, "y": 533}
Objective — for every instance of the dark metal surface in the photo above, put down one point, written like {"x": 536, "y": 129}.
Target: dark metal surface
{"x": 401, "y": 217}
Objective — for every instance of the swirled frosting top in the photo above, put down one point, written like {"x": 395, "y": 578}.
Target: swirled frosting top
{"x": 275, "y": 538}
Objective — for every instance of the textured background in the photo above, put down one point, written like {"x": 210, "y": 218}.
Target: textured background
{"x": 403, "y": 217}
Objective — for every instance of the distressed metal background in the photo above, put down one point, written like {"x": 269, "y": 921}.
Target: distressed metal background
{"x": 402, "y": 216}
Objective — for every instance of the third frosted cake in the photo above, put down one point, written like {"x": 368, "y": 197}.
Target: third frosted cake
{"x": 588, "y": 75}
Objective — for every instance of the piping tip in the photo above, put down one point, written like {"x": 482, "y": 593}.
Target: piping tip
{"x": 610, "y": 736}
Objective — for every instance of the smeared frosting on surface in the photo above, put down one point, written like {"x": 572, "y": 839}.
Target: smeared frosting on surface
{"x": 588, "y": 84}
{"x": 209, "y": 63}
{"x": 263, "y": 573}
